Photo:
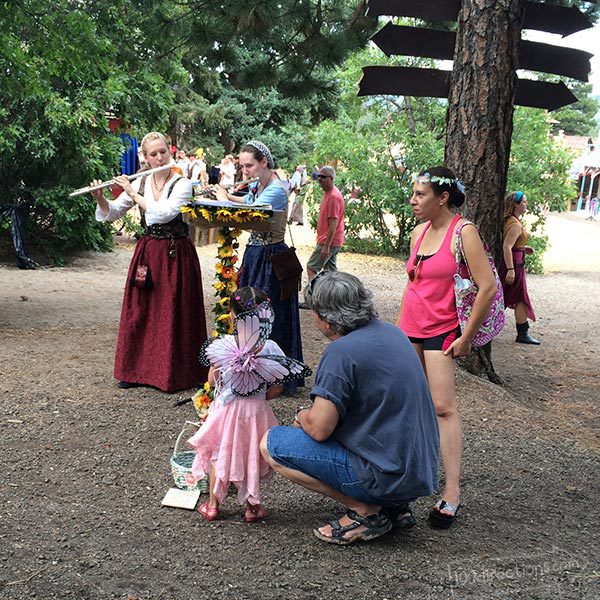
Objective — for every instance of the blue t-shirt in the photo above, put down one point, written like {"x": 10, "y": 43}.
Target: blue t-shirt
{"x": 387, "y": 419}
{"x": 274, "y": 194}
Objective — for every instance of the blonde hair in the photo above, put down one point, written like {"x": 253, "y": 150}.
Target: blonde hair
{"x": 150, "y": 137}
{"x": 510, "y": 201}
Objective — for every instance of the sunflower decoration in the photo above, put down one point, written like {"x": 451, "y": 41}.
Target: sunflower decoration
{"x": 215, "y": 214}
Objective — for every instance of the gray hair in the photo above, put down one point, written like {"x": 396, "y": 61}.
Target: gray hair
{"x": 328, "y": 171}
{"x": 342, "y": 301}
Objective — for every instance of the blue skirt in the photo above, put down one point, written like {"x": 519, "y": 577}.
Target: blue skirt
{"x": 257, "y": 271}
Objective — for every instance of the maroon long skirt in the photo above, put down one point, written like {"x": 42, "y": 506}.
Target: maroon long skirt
{"x": 517, "y": 292}
{"x": 163, "y": 326}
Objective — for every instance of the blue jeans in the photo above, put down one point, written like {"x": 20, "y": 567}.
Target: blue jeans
{"x": 326, "y": 461}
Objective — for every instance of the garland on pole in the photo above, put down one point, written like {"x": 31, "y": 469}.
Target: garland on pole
{"x": 226, "y": 278}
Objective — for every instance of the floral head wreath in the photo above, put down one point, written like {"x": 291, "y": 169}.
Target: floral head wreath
{"x": 264, "y": 151}
{"x": 429, "y": 178}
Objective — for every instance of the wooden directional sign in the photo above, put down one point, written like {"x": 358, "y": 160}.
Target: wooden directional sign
{"x": 431, "y": 10}
{"x": 540, "y": 94}
{"x": 544, "y": 17}
{"x": 534, "y": 56}
{"x": 404, "y": 81}
{"x": 413, "y": 81}
{"x": 408, "y": 41}
{"x": 547, "y": 58}
{"x": 564, "y": 20}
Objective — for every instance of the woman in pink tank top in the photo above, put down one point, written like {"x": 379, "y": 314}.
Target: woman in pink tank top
{"x": 428, "y": 312}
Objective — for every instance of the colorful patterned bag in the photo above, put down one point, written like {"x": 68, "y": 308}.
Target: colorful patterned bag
{"x": 465, "y": 292}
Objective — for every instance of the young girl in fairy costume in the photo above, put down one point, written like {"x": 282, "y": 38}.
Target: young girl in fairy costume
{"x": 247, "y": 369}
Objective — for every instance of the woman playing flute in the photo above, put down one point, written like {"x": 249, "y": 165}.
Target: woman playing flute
{"x": 162, "y": 325}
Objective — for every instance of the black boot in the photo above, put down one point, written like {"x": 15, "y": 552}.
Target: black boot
{"x": 523, "y": 336}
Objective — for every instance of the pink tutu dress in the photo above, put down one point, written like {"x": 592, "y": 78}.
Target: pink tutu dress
{"x": 229, "y": 441}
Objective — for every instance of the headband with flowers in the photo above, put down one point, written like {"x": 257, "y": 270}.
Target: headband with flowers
{"x": 429, "y": 178}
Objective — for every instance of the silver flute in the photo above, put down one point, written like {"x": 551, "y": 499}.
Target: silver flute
{"x": 105, "y": 184}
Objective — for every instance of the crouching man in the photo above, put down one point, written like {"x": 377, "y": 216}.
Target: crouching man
{"x": 370, "y": 439}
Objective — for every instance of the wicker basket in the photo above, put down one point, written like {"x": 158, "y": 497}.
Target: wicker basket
{"x": 181, "y": 466}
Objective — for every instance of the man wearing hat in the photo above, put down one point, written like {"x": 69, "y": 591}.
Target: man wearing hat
{"x": 330, "y": 227}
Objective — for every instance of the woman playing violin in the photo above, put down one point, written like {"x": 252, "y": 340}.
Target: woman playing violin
{"x": 257, "y": 269}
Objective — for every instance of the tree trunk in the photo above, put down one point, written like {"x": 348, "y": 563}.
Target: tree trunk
{"x": 479, "y": 121}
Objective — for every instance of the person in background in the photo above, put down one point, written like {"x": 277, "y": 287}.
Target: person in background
{"x": 183, "y": 162}
{"x": 330, "y": 227}
{"x": 512, "y": 266}
{"x": 227, "y": 171}
{"x": 162, "y": 325}
{"x": 198, "y": 174}
{"x": 297, "y": 182}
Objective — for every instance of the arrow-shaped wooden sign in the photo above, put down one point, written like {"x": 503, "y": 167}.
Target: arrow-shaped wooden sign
{"x": 551, "y": 18}
{"x": 546, "y": 58}
{"x": 408, "y": 41}
{"x": 413, "y": 81}
{"x": 563, "y": 20}
{"x": 433, "y": 10}
{"x": 404, "y": 81}
{"x": 541, "y": 94}
{"x": 534, "y": 56}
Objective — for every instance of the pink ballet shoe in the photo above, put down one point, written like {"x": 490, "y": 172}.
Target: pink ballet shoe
{"x": 254, "y": 513}
{"x": 207, "y": 512}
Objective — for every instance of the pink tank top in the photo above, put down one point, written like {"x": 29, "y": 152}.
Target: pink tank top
{"x": 429, "y": 308}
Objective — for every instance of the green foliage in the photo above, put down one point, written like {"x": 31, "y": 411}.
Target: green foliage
{"x": 534, "y": 263}
{"x": 372, "y": 136}
{"x": 375, "y": 143}
{"x": 211, "y": 74}
{"x": 261, "y": 69}
{"x": 64, "y": 65}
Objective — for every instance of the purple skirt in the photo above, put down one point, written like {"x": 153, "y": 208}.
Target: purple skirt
{"x": 517, "y": 292}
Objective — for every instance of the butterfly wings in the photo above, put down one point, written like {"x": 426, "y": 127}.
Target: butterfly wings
{"x": 241, "y": 368}
{"x": 260, "y": 370}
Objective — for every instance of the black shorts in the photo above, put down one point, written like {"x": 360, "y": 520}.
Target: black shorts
{"x": 437, "y": 342}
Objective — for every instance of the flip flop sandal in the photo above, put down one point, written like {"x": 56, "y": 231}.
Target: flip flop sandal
{"x": 401, "y": 516}
{"x": 376, "y": 525}
{"x": 441, "y": 520}
{"x": 208, "y": 513}
{"x": 254, "y": 513}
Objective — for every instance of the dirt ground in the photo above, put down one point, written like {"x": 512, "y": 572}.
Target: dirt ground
{"x": 85, "y": 465}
